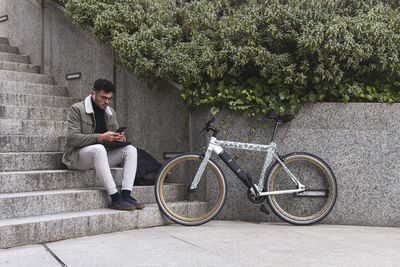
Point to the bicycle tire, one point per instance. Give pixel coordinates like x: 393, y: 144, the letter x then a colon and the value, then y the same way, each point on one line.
x: 310, y: 206
x: 185, y: 206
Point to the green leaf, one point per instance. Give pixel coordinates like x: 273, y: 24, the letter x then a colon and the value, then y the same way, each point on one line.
x: 214, y: 111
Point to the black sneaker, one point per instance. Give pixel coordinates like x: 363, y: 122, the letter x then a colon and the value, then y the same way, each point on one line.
x: 122, y: 204
x: 134, y: 202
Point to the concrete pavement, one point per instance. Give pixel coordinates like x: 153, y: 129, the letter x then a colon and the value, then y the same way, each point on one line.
x: 220, y: 243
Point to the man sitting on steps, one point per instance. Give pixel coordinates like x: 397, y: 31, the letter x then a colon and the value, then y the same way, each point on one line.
x: 91, y: 122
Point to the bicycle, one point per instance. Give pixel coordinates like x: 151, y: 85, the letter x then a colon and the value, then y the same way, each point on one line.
x: 300, y: 187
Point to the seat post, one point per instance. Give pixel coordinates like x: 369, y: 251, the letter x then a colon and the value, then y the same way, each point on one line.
x: 277, y: 123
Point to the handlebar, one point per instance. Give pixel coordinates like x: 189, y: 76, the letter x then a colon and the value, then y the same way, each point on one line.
x: 208, y: 127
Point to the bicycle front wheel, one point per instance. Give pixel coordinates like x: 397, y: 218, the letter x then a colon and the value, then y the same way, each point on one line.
x: 185, y: 206
x: 311, y: 205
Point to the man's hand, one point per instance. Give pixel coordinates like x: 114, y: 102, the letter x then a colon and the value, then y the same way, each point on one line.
x: 111, y: 137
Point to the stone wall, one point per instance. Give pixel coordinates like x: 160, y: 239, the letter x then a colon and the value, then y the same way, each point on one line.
x: 66, y: 48
x: 360, y: 141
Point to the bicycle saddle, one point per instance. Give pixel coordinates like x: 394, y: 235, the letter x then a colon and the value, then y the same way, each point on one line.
x: 281, y: 118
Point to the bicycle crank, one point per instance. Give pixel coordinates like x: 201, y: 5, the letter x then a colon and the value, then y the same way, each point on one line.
x: 258, y: 201
x: 264, y: 209
x: 254, y: 199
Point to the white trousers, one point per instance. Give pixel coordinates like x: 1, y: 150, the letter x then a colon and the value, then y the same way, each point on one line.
x: 97, y: 157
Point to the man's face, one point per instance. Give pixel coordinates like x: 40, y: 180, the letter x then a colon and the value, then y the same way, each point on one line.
x: 102, y: 99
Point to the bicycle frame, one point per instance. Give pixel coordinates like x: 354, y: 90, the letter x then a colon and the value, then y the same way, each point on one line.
x: 216, y: 147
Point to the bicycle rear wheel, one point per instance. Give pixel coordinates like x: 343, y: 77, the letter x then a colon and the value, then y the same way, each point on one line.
x: 315, y: 202
x: 185, y: 206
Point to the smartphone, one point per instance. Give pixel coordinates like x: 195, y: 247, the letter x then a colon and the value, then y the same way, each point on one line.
x: 121, y: 129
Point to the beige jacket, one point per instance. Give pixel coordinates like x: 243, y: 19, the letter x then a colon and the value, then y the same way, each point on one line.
x: 81, y: 126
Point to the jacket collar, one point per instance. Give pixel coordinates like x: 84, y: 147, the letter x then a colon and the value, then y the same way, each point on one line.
x: 89, y: 106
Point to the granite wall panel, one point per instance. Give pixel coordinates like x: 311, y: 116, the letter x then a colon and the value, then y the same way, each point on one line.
x: 360, y: 142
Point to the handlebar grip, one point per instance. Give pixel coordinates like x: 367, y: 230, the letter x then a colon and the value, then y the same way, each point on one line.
x: 210, y: 121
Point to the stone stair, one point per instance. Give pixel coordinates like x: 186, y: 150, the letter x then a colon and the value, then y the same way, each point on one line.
x: 40, y: 200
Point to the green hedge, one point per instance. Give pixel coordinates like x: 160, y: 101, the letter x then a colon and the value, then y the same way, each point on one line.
x: 255, y: 55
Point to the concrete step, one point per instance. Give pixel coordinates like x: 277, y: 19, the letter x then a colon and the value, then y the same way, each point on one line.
x: 49, y: 202
x: 4, y: 40
x: 31, y: 143
x: 32, y: 100
x: 22, y: 67
x: 28, y: 181
x: 32, y: 127
x: 7, y: 75
x: 14, y: 205
x: 32, y: 181
x: 47, y: 228
x: 6, y: 48
x: 30, y: 161
x: 14, y: 58
x: 31, y: 88
x: 33, y: 113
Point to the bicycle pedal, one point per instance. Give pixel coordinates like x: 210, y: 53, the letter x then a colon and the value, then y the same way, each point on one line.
x: 264, y: 209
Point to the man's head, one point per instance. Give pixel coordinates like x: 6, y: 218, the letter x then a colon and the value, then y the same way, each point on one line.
x: 102, y: 93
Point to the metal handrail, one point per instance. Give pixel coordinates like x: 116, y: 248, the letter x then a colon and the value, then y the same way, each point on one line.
x: 60, y: 2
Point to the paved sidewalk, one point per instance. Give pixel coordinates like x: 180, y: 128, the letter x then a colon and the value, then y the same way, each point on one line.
x: 220, y: 243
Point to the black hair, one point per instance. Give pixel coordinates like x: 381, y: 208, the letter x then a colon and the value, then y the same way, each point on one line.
x: 105, y: 85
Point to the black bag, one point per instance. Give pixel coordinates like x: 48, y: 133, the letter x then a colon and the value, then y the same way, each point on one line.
x: 147, y: 168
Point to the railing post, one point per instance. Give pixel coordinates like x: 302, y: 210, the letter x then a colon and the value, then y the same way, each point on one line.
x: 114, y: 77
x: 42, y: 36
